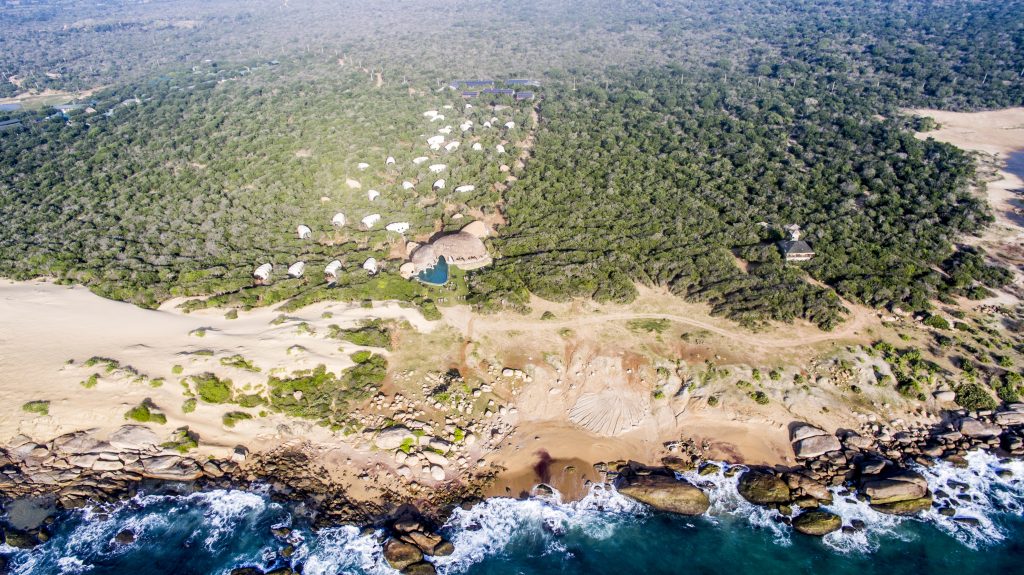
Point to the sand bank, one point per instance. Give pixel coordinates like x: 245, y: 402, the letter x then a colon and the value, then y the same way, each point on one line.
x: 44, y: 326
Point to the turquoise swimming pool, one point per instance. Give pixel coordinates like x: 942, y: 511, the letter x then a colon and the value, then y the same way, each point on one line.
x: 436, y: 275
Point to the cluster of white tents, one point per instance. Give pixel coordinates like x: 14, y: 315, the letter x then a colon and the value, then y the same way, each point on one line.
x: 263, y: 274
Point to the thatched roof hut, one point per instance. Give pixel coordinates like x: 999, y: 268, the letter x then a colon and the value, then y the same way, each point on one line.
x: 462, y: 249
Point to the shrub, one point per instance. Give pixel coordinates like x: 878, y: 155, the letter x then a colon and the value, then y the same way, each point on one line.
x: 760, y: 397
x: 713, y: 401
x: 239, y: 362
x: 251, y: 400
x: 937, y: 321
x: 182, y: 441
x: 974, y: 397
x: 361, y: 356
x: 39, y: 407
x: 649, y: 325
x: 189, y: 406
x: 232, y: 314
x: 547, y: 315
x: 91, y: 381
x: 146, y: 412
x: 373, y: 333
x: 232, y: 417
x: 212, y: 389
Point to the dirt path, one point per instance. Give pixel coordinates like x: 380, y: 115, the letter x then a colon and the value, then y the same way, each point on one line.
x: 471, y: 324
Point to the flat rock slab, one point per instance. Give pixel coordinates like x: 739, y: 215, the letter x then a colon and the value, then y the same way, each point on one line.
x: 816, y: 445
x: 667, y: 494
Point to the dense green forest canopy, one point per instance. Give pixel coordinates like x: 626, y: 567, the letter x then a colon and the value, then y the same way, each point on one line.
x: 182, y: 185
x: 675, y: 140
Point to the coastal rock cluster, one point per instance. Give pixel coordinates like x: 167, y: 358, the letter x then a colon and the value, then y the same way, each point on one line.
x: 80, y: 467
x: 873, y: 465
x: 411, y: 541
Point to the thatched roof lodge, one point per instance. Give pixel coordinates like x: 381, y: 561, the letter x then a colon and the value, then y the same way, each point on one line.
x: 794, y: 249
x: 461, y: 249
x: 261, y: 275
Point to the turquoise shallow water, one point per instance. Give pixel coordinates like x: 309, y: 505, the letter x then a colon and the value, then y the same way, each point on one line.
x: 436, y: 275
x: 211, y: 533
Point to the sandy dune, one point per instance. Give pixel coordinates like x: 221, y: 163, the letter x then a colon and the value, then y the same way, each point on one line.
x: 43, y: 326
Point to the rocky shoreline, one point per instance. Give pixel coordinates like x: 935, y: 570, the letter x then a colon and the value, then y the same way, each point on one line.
x: 80, y: 469
x: 873, y: 464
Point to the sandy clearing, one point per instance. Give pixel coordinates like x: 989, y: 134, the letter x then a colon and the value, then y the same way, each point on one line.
x: 576, y: 315
x: 43, y: 325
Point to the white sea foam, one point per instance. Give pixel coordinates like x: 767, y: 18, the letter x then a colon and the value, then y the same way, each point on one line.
x: 728, y: 504
x: 488, y: 527
x: 982, y: 496
x: 343, y: 550
x: 978, y: 494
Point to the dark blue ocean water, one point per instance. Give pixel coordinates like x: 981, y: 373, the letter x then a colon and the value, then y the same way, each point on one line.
x: 211, y: 533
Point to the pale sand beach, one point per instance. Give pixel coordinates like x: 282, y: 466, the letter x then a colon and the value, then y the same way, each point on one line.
x: 998, y: 133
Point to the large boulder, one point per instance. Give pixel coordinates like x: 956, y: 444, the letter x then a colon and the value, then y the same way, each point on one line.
x: 134, y: 438
x: 1010, y: 417
x: 817, y: 523
x: 971, y: 427
x: 907, y: 507
x: 393, y: 437
x: 421, y: 568
x: 763, y: 488
x: 667, y: 494
x: 77, y: 442
x: 900, y: 485
x: 803, y: 431
x: 815, y: 446
x: 400, y: 554
x: 803, y: 484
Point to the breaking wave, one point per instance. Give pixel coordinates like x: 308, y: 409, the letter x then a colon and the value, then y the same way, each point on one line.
x: 214, y: 532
